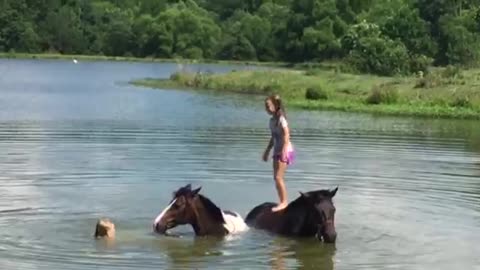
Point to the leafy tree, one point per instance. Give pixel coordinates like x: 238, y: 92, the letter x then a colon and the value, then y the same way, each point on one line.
x: 460, y: 40
x: 313, y: 30
x: 17, y: 32
x: 238, y: 48
x: 407, y: 26
x: 63, y: 31
x: 193, y: 31
x: 369, y: 51
x: 384, y: 37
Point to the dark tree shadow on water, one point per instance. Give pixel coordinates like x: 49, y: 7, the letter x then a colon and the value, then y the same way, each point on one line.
x: 301, y: 254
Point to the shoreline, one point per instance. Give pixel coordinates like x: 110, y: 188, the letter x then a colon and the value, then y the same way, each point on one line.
x: 333, y: 91
x: 58, y: 56
x: 444, y: 93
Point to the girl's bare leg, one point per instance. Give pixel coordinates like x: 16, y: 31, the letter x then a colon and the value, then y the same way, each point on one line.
x: 278, y: 173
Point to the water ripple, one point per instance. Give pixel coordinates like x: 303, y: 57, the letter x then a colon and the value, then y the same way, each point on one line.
x: 408, y: 194
x: 61, y: 178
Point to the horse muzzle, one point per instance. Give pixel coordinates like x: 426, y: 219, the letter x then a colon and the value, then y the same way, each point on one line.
x: 327, y: 233
x: 158, y: 228
x: 162, y: 228
x: 328, y: 238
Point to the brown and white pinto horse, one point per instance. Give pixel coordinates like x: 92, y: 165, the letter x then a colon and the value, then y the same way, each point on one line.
x: 190, y: 207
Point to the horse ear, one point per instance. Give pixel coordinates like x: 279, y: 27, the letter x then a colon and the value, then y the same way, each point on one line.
x: 333, y: 192
x: 307, y: 197
x: 195, y: 192
x: 304, y: 195
x: 189, y: 187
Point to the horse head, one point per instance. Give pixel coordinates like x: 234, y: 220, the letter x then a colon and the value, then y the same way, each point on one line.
x: 179, y: 211
x: 322, y: 213
x: 190, y: 207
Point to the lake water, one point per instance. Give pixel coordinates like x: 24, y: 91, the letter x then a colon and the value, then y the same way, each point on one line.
x: 78, y: 143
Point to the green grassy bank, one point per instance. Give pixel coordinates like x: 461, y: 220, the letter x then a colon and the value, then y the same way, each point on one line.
x: 442, y: 93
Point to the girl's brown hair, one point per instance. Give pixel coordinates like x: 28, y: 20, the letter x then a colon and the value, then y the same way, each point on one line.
x: 279, y: 108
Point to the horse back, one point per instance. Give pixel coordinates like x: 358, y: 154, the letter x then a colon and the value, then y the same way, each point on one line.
x: 253, y: 214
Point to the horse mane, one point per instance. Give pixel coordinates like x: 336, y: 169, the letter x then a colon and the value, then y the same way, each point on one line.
x: 317, y: 196
x: 212, y: 209
x: 320, y: 195
x: 296, y: 204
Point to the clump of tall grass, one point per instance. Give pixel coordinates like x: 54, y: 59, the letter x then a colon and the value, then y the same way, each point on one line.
x: 461, y: 102
x: 382, y: 94
x: 316, y: 93
x: 446, y: 76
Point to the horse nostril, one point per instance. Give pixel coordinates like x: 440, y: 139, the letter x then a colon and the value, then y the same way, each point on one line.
x: 157, y: 228
x: 330, y: 238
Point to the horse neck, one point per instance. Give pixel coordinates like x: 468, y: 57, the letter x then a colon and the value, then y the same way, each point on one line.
x: 309, y: 226
x: 298, y: 219
x: 204, y: 223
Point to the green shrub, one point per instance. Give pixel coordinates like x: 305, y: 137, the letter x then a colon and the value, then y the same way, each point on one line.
x: 313, y: 72
x: 193, y: 53
x: 176, y: 76
x: 316, y: 94
x: 420, y: 63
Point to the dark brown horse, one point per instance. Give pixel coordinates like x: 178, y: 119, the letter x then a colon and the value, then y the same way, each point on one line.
x: 190, y: 207
x: 311, y: 214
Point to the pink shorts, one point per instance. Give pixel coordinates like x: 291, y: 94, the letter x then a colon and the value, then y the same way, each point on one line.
x: 289, y: 158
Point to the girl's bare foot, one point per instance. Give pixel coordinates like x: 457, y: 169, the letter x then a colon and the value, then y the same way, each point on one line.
x: 279, y: 207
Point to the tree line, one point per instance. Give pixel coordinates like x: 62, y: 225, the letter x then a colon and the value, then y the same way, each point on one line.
x: 383, y: 37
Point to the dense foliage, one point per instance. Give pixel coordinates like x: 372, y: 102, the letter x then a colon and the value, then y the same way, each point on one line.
x: 383, y: 37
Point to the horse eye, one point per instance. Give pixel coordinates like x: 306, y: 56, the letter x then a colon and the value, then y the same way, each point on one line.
x: 179, y: 202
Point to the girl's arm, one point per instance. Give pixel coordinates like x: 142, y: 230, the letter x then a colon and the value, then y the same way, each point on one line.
x: 267, y: 150
x: 286, y: 135
x: 270, y: 145
x: 286, y: 138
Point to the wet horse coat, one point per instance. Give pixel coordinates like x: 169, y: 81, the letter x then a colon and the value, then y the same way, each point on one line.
x: 311, y: 214
x: 190, y: 207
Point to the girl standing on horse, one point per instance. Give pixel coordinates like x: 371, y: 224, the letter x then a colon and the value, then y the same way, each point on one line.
x: 283, y: 152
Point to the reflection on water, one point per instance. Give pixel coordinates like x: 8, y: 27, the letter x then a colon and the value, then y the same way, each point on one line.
x: 191, y: 252
x: 77, y: 144
x: 278, y: 253
x: 301, y: 254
